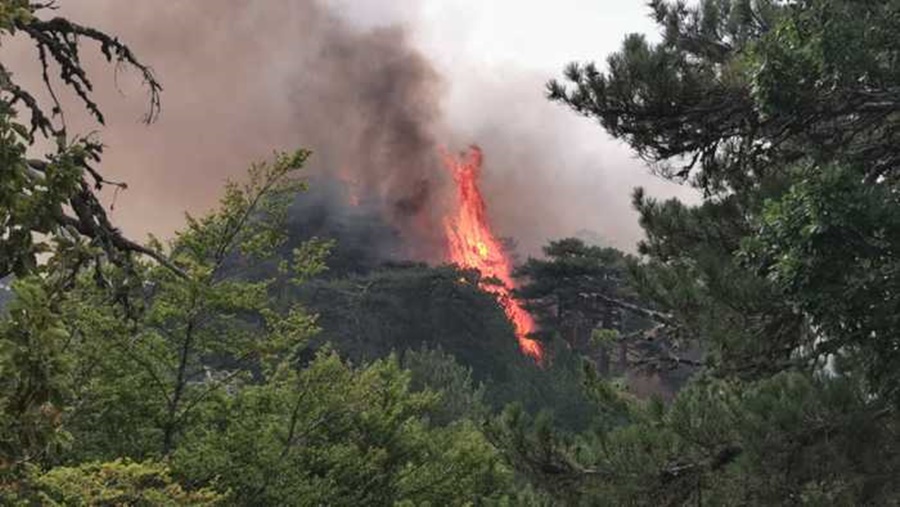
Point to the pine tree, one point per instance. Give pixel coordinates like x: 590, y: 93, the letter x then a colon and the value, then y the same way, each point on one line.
x: 784, y: 116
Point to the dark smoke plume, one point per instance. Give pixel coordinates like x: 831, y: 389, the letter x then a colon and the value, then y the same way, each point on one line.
x: 243, y: 78
x: 370, y: 110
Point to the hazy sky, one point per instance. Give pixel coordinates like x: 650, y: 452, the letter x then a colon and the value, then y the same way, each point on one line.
x: 531, y: 34
x: 549, y: 173
x: 481, y: 45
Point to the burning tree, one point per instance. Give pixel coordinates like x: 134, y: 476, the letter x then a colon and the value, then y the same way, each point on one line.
x: 473, y: 244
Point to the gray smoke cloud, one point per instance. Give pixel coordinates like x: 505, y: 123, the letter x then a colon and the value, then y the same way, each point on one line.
x: 243, y: 78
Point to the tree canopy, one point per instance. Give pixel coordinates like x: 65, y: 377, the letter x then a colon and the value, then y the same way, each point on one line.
x: 784, y: 115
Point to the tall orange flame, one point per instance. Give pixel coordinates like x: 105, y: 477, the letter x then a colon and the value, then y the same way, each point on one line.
x: 473, y: 245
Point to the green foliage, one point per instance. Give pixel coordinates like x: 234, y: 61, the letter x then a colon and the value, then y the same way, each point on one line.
x: 203, y: 377
x: 13, y: 12
x: 182, y: 380
x: 119, y: 482
x: 727, y: 443
x: 784, y: 114
x: 693, y: 272
x: 368, y: 316
x: 460, y: 396
x: 35, y: 377
x: 196, y: 335
x: 332, y: 434
x: 202, y: 371
x: 51, y: 227
x: 829, y: 245
x: 764, y: 100
x: 696, y: 77
x: 604, y: 337
x: 562, y: 289
x: 586, y: 296
x: 30, y: 201
x: 742, y: 90
x: 407, y: 307
x: 49, y: 208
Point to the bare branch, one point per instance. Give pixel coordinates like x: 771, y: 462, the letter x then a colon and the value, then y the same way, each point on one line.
x: 662, y: 318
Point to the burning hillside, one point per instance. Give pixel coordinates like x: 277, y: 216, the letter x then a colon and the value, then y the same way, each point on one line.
x: 472, y: 244
x: 367, y: 101
x: 441, y: 223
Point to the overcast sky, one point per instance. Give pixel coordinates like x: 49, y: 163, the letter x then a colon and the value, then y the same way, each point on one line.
x: 533, y: 34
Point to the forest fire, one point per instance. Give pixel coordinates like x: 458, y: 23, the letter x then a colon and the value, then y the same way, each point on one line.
x: 472, y: 244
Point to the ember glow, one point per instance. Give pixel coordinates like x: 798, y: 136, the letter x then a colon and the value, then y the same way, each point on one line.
x: 473, y: 245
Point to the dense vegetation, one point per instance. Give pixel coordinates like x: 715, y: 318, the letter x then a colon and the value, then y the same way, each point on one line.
x: 257, y: 359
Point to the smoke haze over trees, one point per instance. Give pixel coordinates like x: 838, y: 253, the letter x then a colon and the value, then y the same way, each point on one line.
x: 243, y: 79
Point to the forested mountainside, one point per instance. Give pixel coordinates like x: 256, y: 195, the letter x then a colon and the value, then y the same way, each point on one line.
x: 371, y: 305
